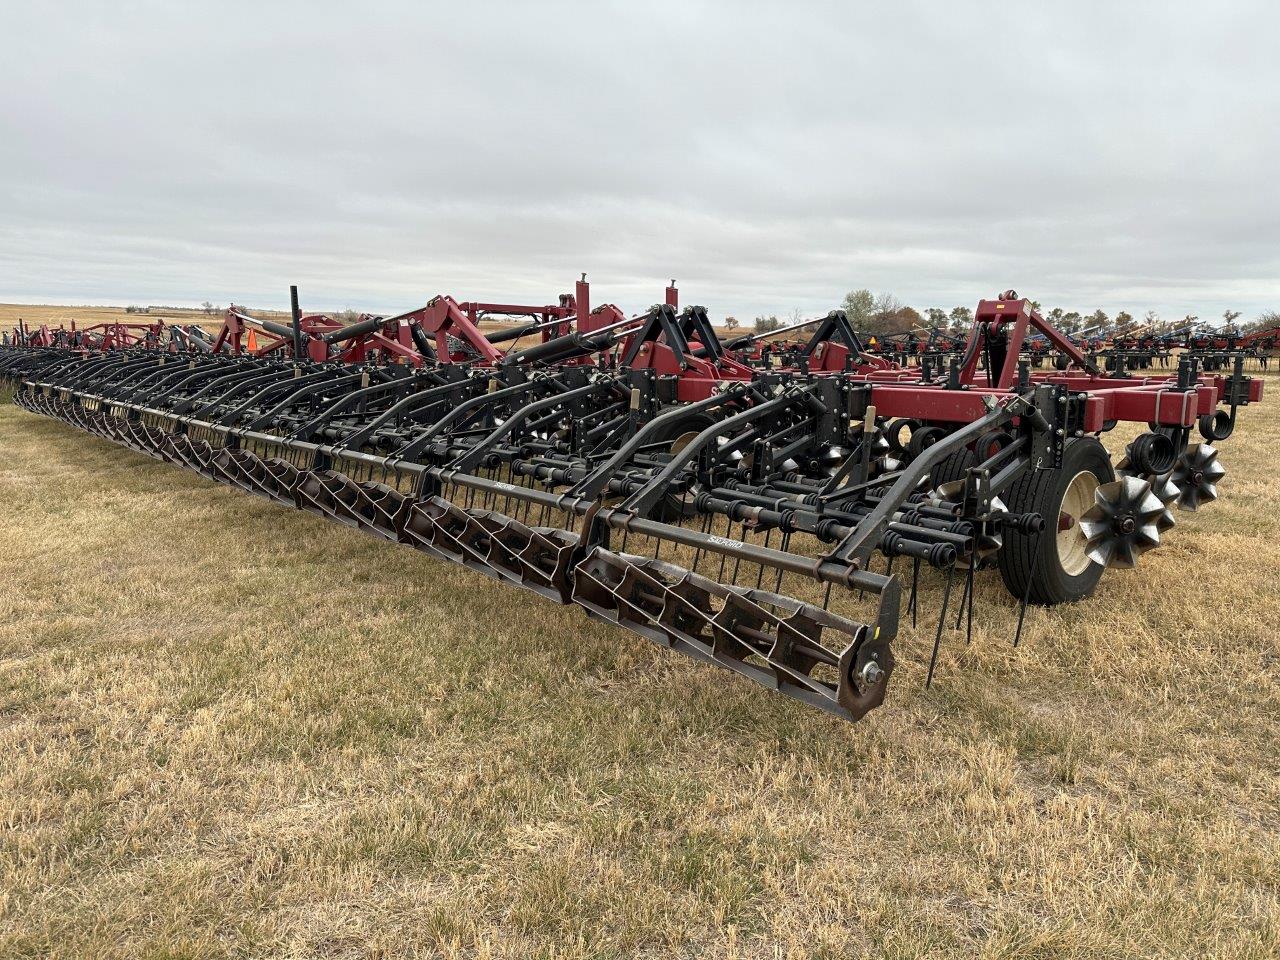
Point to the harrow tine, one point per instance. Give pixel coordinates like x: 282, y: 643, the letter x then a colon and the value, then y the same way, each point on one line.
x: 915, y: 590
x: 937, y: 637
x: 968, y: 601
x: 964, y: 599
x: 697, y: 555
x: 737, y: 561
x: 1026, y: 593
x: 786, y: 546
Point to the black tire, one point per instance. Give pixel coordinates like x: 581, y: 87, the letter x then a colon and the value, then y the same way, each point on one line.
x: 952, y: 467
x: 921, y: 438
x: 893, y: 434
x: 1034, y: 557
x: 673, y: 507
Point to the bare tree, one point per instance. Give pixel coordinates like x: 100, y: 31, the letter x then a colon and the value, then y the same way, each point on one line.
x: 961, y: 318
x: 858, y: 307
x: 1266, y: 320
x: 883, y: 307
x: 887, y: 303
x: 207, y: 307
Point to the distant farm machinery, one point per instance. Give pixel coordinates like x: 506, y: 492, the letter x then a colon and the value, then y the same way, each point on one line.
x: 718, y: 499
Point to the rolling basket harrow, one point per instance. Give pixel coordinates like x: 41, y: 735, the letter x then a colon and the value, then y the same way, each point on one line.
x: 762, y: 512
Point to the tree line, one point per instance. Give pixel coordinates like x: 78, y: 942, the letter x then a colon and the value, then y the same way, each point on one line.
x: 883, y: 314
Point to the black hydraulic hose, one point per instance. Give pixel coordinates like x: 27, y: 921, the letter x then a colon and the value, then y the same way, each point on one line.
x: 422, y: 342
x: 974, y: 346
x: 515, y: 333
x: 359, y: 329
x: 279, y: 329
x: 737, y: 343
x: 204, y: 346
x: 563, y: 348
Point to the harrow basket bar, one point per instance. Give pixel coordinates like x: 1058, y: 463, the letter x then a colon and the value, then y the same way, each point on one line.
x: 790, y: 645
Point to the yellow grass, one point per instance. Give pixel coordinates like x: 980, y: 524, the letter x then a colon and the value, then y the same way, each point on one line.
x: 233, y: 730
x: 34, y: 315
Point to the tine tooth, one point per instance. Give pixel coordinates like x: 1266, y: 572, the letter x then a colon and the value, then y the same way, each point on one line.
x: 915, y: 590
x: 760, y: 575
x: 964, y: 599
x: 1026, y: 592
x: 737, y: 561
x: 786, y: 547
x: 942, y: 616
x: 969, y: 603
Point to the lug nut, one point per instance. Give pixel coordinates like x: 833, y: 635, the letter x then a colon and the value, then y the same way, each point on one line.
x: 871, y: 674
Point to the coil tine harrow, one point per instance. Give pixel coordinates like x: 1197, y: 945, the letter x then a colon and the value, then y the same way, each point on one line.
x: 706, y: 497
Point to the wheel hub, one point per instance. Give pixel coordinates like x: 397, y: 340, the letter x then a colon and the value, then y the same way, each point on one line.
x: 1077, y: 499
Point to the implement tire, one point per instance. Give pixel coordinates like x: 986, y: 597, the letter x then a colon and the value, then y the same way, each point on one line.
x: 1054, y: 564
x: 953, y: 467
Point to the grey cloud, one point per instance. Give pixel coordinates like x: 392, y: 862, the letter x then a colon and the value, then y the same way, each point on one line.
x: 768, y: 156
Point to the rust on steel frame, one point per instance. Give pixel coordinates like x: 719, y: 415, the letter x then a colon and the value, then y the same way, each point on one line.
x: 726, y: 500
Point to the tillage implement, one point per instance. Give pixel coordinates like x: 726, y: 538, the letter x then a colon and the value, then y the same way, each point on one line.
x: 773, y: 512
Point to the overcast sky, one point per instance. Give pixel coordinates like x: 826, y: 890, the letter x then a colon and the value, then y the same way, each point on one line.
x: 767, y: 156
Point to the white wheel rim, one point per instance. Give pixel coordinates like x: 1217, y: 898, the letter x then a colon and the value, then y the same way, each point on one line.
x: 1073, y: 552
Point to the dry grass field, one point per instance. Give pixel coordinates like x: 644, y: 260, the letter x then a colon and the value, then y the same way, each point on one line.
x: 36, y: 314
x: 231, y: 730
